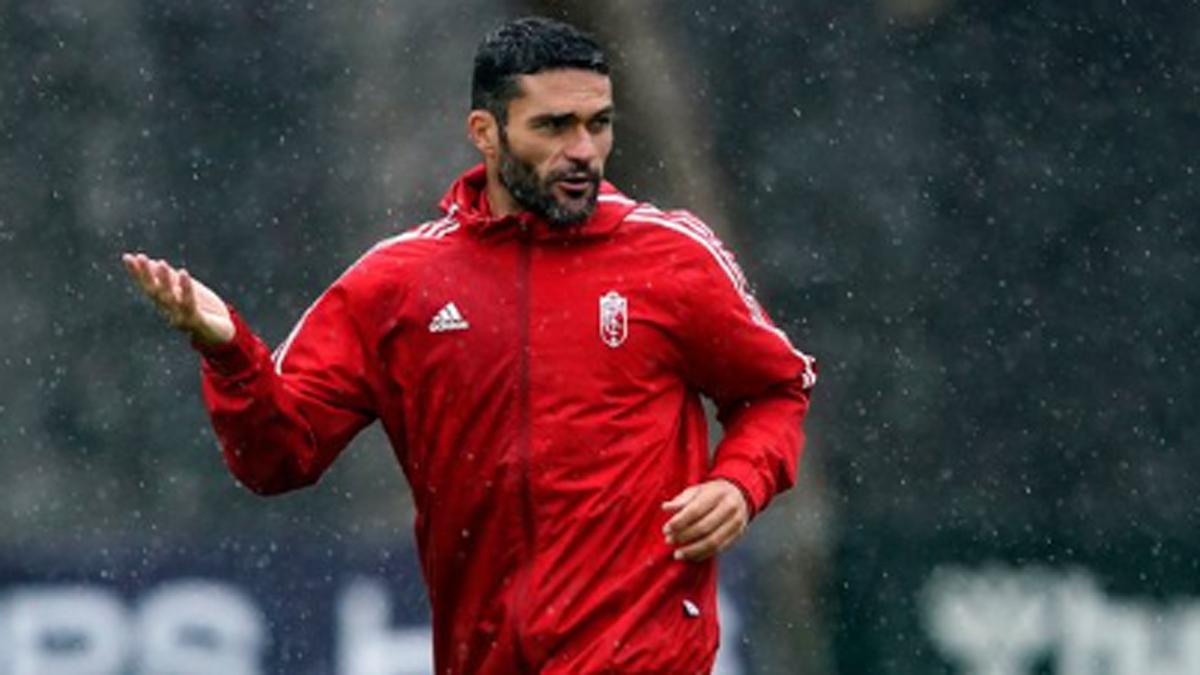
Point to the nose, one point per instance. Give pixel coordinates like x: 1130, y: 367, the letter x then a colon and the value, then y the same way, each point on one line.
x: 581, y: 146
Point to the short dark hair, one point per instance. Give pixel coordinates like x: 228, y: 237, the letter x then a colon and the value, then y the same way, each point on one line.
x: 525, y: 47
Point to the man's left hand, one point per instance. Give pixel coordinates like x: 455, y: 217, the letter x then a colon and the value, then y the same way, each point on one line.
x: 708, y: 518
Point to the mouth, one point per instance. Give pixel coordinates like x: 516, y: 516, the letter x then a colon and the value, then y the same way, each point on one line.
x: 575, y: 187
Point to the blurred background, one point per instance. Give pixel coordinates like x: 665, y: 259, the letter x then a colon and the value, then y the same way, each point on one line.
x: 980, y: 217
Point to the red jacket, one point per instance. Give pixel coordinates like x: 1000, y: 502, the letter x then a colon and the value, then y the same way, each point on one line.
x: 541, y: 388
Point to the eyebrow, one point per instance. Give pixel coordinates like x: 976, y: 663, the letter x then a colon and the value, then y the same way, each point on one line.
x: 553, y: 118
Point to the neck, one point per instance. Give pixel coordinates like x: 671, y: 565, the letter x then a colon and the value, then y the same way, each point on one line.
x: 500, y: 201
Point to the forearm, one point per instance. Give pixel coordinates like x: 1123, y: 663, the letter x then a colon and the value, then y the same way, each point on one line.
x: 762, y: 443
x: 273, y: 439
x: 266, y: 449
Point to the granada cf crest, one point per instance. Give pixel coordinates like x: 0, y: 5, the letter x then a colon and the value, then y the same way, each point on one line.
x: 614, y: 319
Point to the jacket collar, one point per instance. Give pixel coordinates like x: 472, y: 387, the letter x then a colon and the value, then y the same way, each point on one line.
x: 467, y: 201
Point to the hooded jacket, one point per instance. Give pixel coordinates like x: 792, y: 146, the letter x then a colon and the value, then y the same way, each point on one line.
x: 541, y: 387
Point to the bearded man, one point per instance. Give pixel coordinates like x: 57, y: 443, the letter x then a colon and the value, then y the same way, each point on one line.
x: 537, y: 357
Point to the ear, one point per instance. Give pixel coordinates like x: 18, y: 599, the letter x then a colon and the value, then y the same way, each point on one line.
x: 484, y: 131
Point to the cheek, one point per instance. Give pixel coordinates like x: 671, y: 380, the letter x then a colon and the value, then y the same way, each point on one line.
x: 604, y: 145
x: 549, y: 163
x: 527, y: 145
x: 533, y: 153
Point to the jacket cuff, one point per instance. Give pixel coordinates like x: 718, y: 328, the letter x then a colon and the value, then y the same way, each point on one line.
x: 234, y: 357
x: 742, y: 473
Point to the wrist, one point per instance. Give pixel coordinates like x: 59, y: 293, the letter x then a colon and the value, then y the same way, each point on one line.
x: 213, y: 336
x: 747, y: 500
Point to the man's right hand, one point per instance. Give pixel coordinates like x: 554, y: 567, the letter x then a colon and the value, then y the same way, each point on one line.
x: 184, y: 302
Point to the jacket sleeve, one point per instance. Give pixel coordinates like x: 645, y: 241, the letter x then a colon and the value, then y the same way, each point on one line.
x: 735, y: 355
x: 282, y: 420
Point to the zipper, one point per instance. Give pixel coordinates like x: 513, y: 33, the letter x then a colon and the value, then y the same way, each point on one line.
x: 524, y: 450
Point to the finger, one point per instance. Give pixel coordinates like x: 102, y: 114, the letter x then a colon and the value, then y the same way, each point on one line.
x: 153, y: 277
x: 141, y: 263
x: 130, y: 263
x: 694, y: 511
x: 680, y: 500
x: 164, y: 294
x: 141, y: 273
x: 146, y: 277
x: 148, y: 273
x: 150, y: 280
x: 162, y: 274
x: 187, y: 293
x: 162, y: 278
x: 702, y: 527
x: 717, y: 541
x: 175, y: 281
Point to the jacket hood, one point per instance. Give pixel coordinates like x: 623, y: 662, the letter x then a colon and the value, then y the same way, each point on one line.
x: 467, y: 201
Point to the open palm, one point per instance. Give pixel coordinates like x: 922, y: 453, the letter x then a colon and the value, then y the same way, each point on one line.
x: 183, y: 301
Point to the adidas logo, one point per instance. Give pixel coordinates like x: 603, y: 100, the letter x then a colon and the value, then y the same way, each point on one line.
x: 448, y: 318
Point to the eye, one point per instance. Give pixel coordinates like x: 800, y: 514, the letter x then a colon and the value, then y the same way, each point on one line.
x: 553, y: 125
x: 598, y: 124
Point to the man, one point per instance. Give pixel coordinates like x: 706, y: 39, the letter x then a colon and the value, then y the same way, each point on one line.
x: 536, y: 357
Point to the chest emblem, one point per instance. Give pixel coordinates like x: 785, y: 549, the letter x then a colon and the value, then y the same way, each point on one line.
x: 448, y: 318
x: 614, y: 319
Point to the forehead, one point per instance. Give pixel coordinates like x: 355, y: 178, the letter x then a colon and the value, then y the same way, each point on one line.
x: 562, y: 90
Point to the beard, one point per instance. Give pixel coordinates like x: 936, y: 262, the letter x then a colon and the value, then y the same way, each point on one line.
x: 536, y: 194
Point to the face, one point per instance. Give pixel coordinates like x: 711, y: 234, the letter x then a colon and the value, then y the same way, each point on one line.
x: 552, y: 152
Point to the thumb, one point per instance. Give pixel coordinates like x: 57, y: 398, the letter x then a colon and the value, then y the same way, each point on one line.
x: 680, y: 500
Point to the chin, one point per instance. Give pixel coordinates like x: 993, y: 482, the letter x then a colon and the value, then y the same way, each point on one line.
x: 565, y: 216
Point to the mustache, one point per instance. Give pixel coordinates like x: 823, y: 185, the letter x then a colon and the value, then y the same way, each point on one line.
x: 578, y: 172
